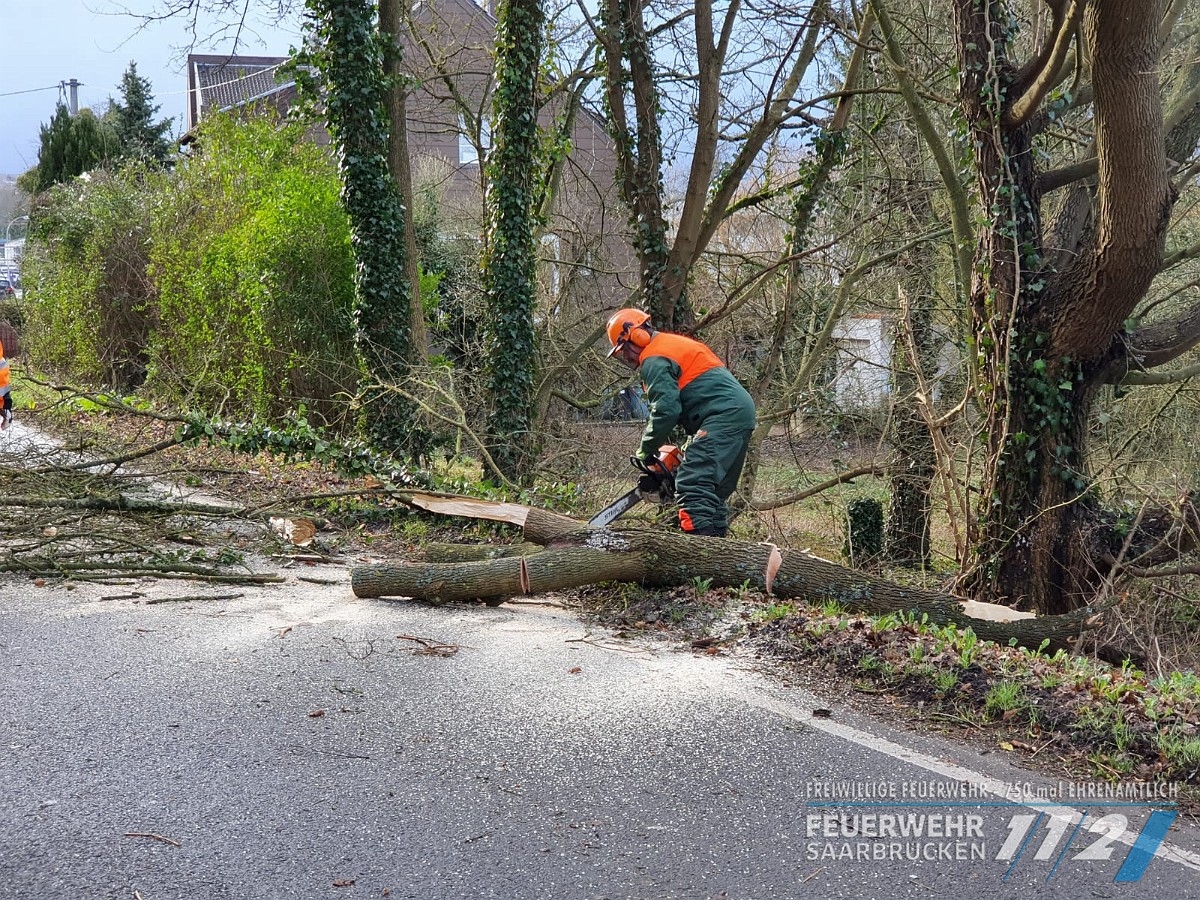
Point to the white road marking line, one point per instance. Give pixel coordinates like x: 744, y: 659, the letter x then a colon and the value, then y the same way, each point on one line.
x: 994, y: 786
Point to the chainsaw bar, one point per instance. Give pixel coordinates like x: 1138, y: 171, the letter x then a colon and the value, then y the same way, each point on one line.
x: 664, y: 468
x: 614, y: 511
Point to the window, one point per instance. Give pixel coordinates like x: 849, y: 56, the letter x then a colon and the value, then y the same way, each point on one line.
x: 467, y: 151
x: 551, y: 248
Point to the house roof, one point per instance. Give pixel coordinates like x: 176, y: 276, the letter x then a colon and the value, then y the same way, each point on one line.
x: 223, y: 82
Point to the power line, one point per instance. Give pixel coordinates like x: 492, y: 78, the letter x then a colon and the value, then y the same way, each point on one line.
x: 61, y: 86
x: 53, y: 87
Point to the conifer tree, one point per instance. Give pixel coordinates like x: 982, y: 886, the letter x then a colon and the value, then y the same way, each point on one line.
x: 132, y: 119
x: 70, y: 146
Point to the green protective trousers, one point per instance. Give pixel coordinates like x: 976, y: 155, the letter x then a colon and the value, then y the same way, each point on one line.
x: 712, y: 464
x: 719, y: 414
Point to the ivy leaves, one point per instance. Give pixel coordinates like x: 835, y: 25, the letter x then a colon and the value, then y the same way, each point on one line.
x: 512, y: 219
x: 348, y: 51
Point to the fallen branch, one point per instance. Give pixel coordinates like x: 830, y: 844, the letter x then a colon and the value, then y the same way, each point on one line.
x: 188, y: 598
x: 120, y: 503
x: 80, y: 518
x: 111, y: 461
x: 152, y: 836
x: 101, y: 571
x: 430, y: 647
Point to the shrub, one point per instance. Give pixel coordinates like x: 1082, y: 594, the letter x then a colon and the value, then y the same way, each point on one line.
x: 864, y: 530
x: 90, y: 302
x: 251, y: 254
x: 225, y: 284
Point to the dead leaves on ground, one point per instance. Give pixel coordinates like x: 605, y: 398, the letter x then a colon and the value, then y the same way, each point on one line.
x: 296, y: 531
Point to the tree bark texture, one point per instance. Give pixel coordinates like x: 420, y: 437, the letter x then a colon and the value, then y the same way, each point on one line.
x: 391, y: 25
x: 906, y: 534
x: 1042, y: 335
x: 914, y: 363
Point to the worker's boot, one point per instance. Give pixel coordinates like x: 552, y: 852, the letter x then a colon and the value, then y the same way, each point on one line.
x: 710, y: 531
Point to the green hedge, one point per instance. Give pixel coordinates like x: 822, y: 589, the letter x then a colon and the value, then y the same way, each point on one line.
x: 225, y: 283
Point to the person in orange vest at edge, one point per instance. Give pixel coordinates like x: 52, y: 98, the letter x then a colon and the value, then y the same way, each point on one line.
x: 5, y: 392
x: 686, y: 383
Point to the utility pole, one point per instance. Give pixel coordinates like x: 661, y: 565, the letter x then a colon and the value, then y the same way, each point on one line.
x: 72, y: 90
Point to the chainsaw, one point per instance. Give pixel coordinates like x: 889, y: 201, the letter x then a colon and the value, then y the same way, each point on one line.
x: 664, y: 468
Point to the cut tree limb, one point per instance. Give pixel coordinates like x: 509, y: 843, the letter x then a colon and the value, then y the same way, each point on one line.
x: 119, y: 503
x: 576, y: 555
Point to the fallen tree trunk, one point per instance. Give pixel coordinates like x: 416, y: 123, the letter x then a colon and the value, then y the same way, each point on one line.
x: 803, y: 576
x: 574, y: 555
x: 578, y: 558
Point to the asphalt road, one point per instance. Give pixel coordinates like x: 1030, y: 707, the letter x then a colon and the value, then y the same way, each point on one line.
x: 289, y: 744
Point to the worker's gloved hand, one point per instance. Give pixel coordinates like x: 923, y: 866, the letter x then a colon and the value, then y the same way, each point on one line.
x: 650, y: 483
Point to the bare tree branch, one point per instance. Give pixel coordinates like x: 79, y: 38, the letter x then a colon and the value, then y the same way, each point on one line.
x: 773, y: 114
x: 841, y: 478
x: 960, y: 216
x: 1036, y: 80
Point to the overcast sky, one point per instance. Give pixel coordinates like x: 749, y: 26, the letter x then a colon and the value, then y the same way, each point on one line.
x: 45, y: 42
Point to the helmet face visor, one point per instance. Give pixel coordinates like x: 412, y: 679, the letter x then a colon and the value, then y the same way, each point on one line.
x: 616, y: 348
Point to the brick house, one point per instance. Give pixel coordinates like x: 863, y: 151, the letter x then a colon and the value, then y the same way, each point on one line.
x: 587, y: 265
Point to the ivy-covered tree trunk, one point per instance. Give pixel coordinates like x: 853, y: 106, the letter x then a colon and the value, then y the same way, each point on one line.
x: 349, y: 56
x: 629, y: 78
x: 509, y: 267
x: 1045, y: 336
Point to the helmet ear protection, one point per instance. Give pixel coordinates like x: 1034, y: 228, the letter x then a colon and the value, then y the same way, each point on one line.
x: 637, y: 335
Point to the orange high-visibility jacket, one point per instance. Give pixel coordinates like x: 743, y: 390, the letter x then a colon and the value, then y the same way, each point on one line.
x: 693, y: 357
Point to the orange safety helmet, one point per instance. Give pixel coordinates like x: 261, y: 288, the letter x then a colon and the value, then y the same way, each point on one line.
x: 622, y: 329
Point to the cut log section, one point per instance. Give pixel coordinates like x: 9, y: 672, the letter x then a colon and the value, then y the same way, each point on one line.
x: 574, y: 555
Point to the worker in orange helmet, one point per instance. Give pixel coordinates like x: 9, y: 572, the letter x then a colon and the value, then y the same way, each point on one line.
x: 5, y: 392
x: 686, y: 384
